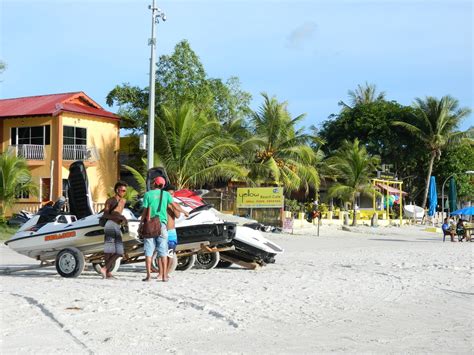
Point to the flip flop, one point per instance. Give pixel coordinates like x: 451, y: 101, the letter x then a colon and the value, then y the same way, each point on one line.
x: 146, y: 279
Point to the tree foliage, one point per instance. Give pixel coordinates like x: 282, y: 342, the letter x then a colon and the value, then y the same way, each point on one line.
x: 282, y: 155
x: 372, y: 124
x: 457, y: 159
x: 435, y: 124
x: 363, y: 94
x: 181, y: 79
x: 353, y: 168
x: 15, y: 179
x: 193, y: 148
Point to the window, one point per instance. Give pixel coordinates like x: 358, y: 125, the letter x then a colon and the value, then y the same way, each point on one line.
x: 74, y: 136
x: 23, y: 195
x: 38, y: 135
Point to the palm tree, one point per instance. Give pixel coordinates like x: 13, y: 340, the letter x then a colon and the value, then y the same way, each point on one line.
x: 435, y: 122
x: 15, y: 179
x: 364, y: 94
x: 193, y: 148
x: 352, y: 167
x: 280, y: 153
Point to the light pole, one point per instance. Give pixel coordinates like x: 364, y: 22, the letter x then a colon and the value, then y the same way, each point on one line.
x: 156, y: 14
x: 469, y: 172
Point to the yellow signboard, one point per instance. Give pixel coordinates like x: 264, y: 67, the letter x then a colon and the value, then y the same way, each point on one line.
x: 260, y: 197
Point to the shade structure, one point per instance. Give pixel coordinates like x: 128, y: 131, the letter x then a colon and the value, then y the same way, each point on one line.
x: 433, y: 197
x: 453, y: 195
x: 467, y: 211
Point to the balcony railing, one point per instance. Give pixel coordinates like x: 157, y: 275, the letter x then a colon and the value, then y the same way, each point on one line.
x: 28, y: 151
x: 79, y: 152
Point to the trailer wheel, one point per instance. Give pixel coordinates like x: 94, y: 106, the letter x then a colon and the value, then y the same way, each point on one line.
x: 70, y: 262
x: 186, y: 262
x: 98, y: 266
x: 224, y: 264
x: 207, y: 261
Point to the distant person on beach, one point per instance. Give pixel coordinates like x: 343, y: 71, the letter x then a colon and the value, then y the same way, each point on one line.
x: 447, y: 229
x: 461, y: 231
x: 155, y: 203
x: 174, y: 211
x: 113, y: 245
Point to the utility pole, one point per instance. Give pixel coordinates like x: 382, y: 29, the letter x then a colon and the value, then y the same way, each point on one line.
x: 156, y: 14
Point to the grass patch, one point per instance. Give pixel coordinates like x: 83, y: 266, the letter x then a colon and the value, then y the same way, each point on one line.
x: 6, y: 231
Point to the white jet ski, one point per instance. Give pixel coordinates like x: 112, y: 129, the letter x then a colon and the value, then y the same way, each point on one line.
x: 71, y: 239
x: 250, y: 245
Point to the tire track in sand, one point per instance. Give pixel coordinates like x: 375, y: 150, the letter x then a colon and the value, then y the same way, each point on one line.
x: 48, y: 314
x: 191, y: 304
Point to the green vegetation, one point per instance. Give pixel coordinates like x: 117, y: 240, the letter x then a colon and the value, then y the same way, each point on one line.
x: 353, y: 168
x: 15, y: 179
x: 434, y: 123
x: 206, y: 133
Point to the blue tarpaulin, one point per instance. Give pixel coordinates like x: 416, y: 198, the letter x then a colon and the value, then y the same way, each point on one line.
x: 433, y: 197
x: 468, y: 211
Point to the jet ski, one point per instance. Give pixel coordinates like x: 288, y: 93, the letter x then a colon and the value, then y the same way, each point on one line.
x: 69, y: 239
x: 250, y: 246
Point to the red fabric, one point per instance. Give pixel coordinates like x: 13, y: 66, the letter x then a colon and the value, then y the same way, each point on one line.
x: 391, y: 190
x: 189, y: 198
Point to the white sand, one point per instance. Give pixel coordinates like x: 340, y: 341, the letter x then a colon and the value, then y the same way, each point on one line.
x: 381, y: 290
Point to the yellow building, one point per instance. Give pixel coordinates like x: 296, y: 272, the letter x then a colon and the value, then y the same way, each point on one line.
x: 52, y: 131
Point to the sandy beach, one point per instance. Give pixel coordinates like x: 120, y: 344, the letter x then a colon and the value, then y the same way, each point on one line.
x: 384, y: 290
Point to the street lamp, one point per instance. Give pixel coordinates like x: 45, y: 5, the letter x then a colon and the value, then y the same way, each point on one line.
x: 156, y: 14
x: 469, y: 172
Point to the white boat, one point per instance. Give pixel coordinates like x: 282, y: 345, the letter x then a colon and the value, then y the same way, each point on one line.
x: 413, y: 211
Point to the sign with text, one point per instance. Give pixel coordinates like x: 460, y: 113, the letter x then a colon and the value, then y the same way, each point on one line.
x: 260, y: 197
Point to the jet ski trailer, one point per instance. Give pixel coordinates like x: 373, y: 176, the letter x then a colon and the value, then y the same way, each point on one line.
x: 68, y: 240
x: 251, y: 249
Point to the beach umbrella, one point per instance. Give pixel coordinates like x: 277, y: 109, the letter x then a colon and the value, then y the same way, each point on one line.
x: 467, y: 211
x: 433, y: 196
x: 452, y: 195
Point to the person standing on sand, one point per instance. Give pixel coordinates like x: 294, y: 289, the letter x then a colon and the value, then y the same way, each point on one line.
x: 155, y: 203
x: 174, y: 210
x: 113, y: 246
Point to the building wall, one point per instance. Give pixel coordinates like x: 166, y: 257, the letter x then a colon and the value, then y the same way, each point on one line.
x: 40, y: 168
x: 103, y: 134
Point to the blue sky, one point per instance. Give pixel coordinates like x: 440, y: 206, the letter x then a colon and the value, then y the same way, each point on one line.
x: 309, y: 53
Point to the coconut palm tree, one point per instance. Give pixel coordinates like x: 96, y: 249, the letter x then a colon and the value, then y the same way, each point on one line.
x: 352, y: 167
x: 364, y: 94
x: 281, y: 154
x: 15, y: 179
x: 193, y: 149
x: 435, y: 123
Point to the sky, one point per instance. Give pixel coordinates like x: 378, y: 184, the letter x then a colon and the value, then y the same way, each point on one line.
x: 308, y: 53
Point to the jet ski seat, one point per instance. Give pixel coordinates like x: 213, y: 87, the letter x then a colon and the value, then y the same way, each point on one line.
x: 80, y: 203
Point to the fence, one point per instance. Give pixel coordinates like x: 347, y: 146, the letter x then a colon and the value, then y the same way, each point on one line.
x: 28, y: 151
x: 79, y: 152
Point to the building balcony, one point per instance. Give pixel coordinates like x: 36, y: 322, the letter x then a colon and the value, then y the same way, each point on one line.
x: 80, y: 152
x: 28, y: 151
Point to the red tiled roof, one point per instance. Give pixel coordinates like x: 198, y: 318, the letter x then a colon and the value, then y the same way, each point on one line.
x: 52, y: 105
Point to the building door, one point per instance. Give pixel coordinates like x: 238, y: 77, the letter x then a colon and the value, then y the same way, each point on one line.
x: 45, y: 189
